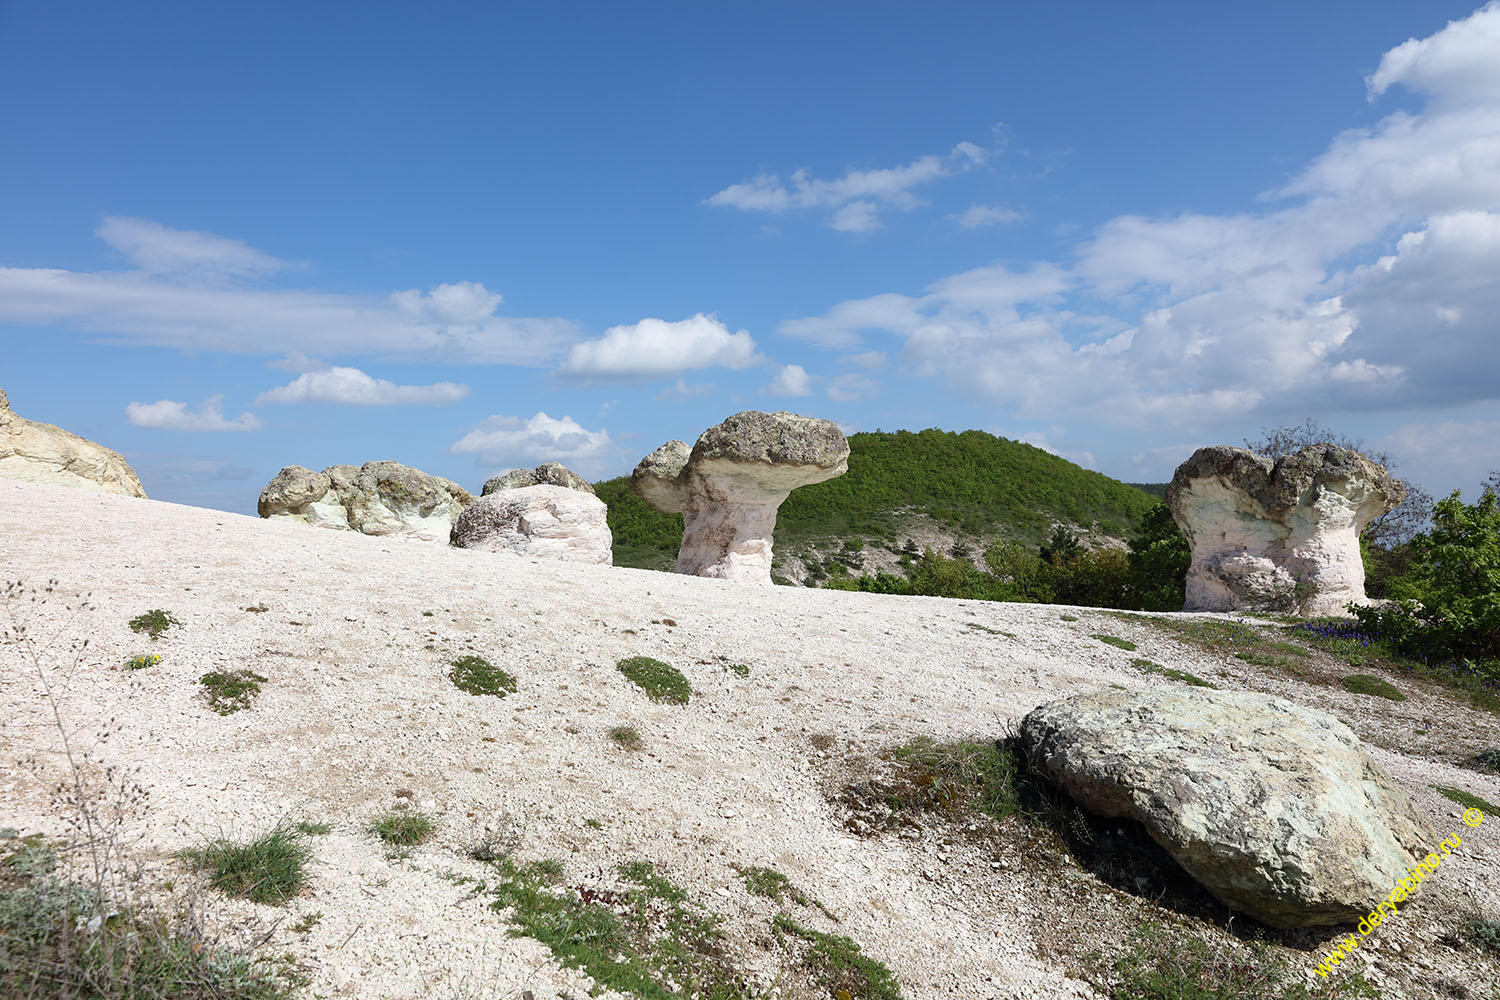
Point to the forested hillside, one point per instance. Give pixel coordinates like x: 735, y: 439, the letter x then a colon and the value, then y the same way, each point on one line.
x: 972, y: 485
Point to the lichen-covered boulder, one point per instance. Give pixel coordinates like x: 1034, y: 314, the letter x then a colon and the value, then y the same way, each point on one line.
x: 729, y: 486
x: 45, y: 453
x: 553, y: 522
x: 1273, y: 808
x: 377, y: 498
x: 546, y: 474
x: 1280, y: 536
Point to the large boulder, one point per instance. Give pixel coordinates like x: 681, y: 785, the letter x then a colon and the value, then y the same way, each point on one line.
x: 1273, y: 808
x: 1280, y: 536
x: 377, y: 498
x: 44, y: 453
x: 546, y: 474
x: 729, y: 485
x: 553, y: 522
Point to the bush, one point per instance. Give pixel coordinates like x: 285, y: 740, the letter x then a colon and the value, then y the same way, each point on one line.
x: 269, y: 869
x: 230, y: 691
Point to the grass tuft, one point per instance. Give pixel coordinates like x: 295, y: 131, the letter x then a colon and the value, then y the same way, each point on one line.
x: 625, y: 737
x: 1175, y: 674
x: 476, y: 675
x: 1484, y: 933
x: 402, y: 827
x: 270, y: 869
x: 1124, y: 644
x: 1369, y: 684
x: 1466, y: 799
x: 231, y: 691
x: 661, y: 682
x: 154, y: 623
x: 837, y: 965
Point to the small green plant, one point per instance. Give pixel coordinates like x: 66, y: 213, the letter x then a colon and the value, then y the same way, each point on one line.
x: 1068, y: 618
x: 1484, y: 933
x: 836, y: 964
x: 1372, y: 685
x: 1110, y: 640
x: 142, y: 662
x: 272, y: 868
x: 476, y: 675
x: 1487, y: 760
x: 661, y: 682
x: 153, y: 623
x: 963, y: 776
x: 402, y: 827
x: 593, y: 824
x: 768, y: 882
x: 1466, y: 799
x: 1176, y: 675
x: 625, y: 737
x: 232, y: 690
x: 427, y: 614
x: 740, y: 670
x: 312, y: 829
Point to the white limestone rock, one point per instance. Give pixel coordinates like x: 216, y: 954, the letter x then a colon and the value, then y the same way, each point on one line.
x: 45, y: 453
x: 1272, y: 807
x: 729, y: 486
x: 553, y: 522
x: 1280, y: 536
x: 377, y: 498
x: 546, y: 474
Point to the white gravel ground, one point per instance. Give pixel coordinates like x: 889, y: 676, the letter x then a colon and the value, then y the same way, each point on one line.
x: 358, y: 707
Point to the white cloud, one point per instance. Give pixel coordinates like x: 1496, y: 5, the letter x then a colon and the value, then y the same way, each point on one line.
x: 870, y: 360
x: 1453, y: 453
x: 856, y: 196
x: 657, y: 347
x: 352, y: 386
x: 181, y: 253
x: 791, y: 380
x: 179, y: 295
x: 169, y: 415
x: 507, y: 442
x: 851, y: 387
x: 978, y: 216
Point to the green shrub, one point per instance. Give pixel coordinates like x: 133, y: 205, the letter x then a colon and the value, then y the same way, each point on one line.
x: 661, y: 682
x: 402, y: 827
x: 1484, y: 933
x: 476, y: 675
x: 272, y: 868
x: 231, y: 691
x: 153, y: 623
x: 1487, y: 760
x: 1159, y: 560
x: 1372, y: 685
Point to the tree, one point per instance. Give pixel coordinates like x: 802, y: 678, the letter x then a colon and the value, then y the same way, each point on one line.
x: 1062, y: 547
x: 1159, y: 560
x: 1396, y: 526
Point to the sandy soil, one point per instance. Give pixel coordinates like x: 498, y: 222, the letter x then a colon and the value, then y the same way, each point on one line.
x: 358, y: 707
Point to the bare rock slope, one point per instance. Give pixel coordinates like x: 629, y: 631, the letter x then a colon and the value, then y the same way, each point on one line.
x: 45, y: 453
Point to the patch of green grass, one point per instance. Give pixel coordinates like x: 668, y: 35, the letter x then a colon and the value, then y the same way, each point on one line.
x: 1110, y: 640
x: 1068, y: 618
x: 962, y: 776
x: 1487, y: 760
x: 308, y: 922
x: 153, y: 623
x: 402, y: 827
x: 142, y: 662
x: 1291, y: 648
x: 740, y: 670
x: 1175, y: 674
x: 593, y: 824
x: 1342, y: 638
x: 768, y: 882
x: 1165, y: 963
x: 231, y: 690
x: 836, y: 964
x: 1484, y: 933
x: 1372, y: 685
x: 1466, y: 799
x: 625, y: 737
x: 992, y: 631
x: 661, y: 682
x: 476, y: 675
x: 1213, y: 634
x: 646, y: 939
x: 314, y: 829
x: 271, y: 869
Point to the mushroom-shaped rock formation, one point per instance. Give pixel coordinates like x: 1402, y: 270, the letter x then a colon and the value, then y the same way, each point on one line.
x: 553, y: 522
x: 546, y: 474
x: 1272, y: 807
x: 44, y: 453
x: 729, y: 486
x: 1278, y: 537
x: 377, y: 498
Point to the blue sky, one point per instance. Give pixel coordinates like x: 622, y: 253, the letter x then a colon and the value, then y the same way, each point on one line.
x: 474, y: 236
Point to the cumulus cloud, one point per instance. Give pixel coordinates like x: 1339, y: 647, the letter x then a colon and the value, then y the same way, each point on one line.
x: 507, y: 442
x: 1388, y: 239
x: 169, y: 415
x: 185, y: 290
x: 857, y: 196
x: 791, y: 380
x: 979, y: 216
x: 658, y: 347
x: 354, y: 387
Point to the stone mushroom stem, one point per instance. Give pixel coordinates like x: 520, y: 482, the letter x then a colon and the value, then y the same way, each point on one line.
x: 727, y: 527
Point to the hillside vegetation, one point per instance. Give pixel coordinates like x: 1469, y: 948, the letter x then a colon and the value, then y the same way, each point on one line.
x: 972, y: 484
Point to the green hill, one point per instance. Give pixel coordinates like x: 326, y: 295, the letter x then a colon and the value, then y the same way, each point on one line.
x: 972, y: 484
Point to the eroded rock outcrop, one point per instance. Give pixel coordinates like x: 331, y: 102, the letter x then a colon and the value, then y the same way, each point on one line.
x: 546, y: 474
x: 553, y: 522
x: 45, y: 453
x: 1273, y: 808
x: 1280, y: 536
x: 377, y: 498
x: 730, y: 484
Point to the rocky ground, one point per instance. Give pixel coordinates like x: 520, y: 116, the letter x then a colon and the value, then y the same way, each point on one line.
x: 355, y: 635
